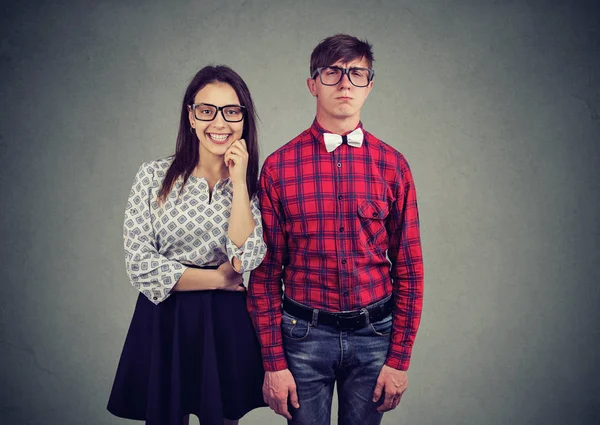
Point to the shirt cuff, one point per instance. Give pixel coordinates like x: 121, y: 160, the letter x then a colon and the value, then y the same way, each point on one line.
x: 234, y: 251
x: 274, y: 358
x: 159, y: 289
x: 399, y: 359
x: 250, y: 254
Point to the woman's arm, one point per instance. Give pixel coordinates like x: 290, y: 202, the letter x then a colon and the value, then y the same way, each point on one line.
x: 224, y: 278
x: 243, y: 241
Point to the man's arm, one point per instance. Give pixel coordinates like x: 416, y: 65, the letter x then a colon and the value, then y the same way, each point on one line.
x: 264, y: 301
x: 407, y: 286
x: 406, y: 271
x: 264, y: 288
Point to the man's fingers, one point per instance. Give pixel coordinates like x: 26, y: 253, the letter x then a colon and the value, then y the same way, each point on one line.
x: 378, y: 390
x: 277, y: 404
x: 387, y: 402
x: 391, y: 401
x: 278, y: 388
x: 294, y: 397
x: 282, y: 409
x: 397, y: 401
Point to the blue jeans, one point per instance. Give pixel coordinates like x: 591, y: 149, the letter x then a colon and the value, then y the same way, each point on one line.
x: 319, y: 356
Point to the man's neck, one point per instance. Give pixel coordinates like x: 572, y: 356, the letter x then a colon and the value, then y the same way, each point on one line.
x: 337, y: 125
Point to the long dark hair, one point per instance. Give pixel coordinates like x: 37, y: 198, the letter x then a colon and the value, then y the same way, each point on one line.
x: 187, y: 150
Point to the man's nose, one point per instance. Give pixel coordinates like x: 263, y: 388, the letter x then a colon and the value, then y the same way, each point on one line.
x: 345, y: 81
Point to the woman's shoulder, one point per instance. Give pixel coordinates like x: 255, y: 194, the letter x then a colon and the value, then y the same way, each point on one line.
x: 156, y: 168
x: 158, y: 165
x: 151, y: 173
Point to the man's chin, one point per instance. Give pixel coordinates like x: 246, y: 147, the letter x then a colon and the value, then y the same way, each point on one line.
x: 342, y: 115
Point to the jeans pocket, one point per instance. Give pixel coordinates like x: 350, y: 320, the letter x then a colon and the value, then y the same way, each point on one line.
x: 382, y: 327
x: 294, y: 328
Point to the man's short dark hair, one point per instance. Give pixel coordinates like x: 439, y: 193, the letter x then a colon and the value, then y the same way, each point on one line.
x: 342, y: 47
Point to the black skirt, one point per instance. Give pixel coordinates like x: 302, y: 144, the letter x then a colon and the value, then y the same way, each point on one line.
x: 196, y: 352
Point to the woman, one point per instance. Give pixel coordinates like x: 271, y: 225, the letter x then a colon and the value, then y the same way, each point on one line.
x: 192, y: 227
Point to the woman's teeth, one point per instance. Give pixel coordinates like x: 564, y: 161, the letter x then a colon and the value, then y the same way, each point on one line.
x: 219, y: 137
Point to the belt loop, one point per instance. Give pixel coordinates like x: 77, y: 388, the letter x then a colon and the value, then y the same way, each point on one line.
x: 315, y: 317
x: 366, y: 314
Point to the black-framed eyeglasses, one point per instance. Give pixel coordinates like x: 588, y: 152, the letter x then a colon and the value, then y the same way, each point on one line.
x: 331, y: 75
x: 208, y: 112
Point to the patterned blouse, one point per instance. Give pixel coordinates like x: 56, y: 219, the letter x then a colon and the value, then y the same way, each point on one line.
x: 189, y: 229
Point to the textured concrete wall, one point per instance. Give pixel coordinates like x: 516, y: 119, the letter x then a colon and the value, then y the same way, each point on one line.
x: 496, y: 105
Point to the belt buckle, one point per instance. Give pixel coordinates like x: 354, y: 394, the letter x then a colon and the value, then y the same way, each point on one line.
x: 349, y: 323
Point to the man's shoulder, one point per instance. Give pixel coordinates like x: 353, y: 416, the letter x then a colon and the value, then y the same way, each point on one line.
x: 388, y: 151
x: 288, y: 149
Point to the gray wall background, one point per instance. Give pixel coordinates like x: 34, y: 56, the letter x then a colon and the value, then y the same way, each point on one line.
x: 496, y: 105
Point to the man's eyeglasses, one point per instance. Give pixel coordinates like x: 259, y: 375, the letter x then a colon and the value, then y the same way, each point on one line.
x: 208, y: 112
x: 331, y: 75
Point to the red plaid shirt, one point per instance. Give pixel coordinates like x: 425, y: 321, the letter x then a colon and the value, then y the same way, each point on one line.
x: 328, y: 220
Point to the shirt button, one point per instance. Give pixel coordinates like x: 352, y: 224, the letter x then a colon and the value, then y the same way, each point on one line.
x: 339, y: 164
x: 343, y: 261
x: 341, y: 229
x: 340, y: 197
x: 374, y: 214
x: 154, y: 298
x: 345, y: 293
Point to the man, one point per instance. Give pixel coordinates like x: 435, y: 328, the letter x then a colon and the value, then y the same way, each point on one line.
x: 337, y: 202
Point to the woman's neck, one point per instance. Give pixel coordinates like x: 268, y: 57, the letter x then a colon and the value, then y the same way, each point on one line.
x: 211, y: 168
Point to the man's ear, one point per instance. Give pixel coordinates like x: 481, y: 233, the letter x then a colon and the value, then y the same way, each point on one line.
x: 312, y: 86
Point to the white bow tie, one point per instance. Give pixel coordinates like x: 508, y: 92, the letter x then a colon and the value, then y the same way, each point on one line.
x: 332, y: 141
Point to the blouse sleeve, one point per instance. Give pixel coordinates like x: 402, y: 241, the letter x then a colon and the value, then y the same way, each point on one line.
x: 252, y: 252
x: 151, y: 273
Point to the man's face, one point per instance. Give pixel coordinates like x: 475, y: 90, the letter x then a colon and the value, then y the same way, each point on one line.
x: 343, y: 100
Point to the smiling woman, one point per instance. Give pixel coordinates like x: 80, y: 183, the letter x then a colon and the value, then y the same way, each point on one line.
x: 192, y: 227
x: 215, y: 131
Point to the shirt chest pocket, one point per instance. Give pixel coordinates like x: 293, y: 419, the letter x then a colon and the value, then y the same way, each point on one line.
x: 372, y: 215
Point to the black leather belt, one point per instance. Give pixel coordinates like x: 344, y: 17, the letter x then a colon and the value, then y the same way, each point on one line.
x: 352, y: 320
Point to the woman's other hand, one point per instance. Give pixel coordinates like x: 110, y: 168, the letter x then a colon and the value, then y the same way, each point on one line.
x: 229, y: 279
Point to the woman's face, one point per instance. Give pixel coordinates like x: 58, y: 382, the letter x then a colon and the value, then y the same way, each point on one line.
x: 217, y: 135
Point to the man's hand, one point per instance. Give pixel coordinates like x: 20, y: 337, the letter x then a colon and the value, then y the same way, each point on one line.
x: 277, y: 386
x: 392, y: 383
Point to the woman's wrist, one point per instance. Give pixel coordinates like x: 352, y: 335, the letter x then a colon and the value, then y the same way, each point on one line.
x: 240, y: 185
